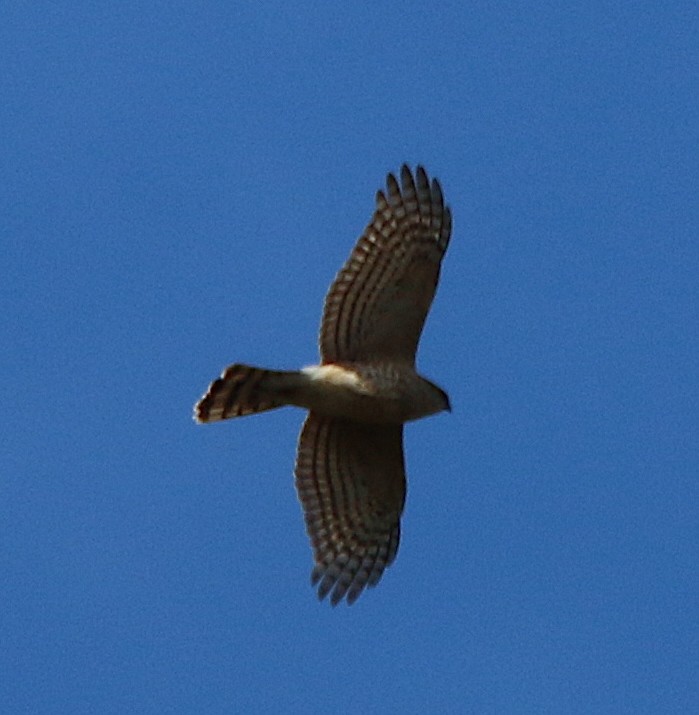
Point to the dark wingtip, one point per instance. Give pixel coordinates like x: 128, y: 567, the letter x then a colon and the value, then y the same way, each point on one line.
x: 437, y: 195
x: 406, y: 176
x: 316, y: 574
x: 328, y: 584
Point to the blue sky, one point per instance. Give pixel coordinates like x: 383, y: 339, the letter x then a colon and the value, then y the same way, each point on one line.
x: 180, y: 183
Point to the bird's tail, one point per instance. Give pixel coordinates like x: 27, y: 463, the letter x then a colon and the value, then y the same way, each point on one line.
x: 243, y: 390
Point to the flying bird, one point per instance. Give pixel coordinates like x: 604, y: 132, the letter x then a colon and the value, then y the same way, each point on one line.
x: 350, y: 470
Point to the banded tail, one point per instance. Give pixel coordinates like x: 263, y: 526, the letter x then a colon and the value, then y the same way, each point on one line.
x: 243, y: 390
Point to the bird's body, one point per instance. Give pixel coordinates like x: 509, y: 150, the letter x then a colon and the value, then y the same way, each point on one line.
x: 350, y: 473
x: 382, y: 393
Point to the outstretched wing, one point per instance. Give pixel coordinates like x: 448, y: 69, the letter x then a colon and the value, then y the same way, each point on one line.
x: 377, y: 305
x: 350, y: 479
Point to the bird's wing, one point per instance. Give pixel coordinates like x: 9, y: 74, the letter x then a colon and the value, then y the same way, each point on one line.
x: 376, y: 307
x: 350, y: 479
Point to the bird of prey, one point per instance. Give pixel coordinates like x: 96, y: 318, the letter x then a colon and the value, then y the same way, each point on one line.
x: 350, y: 473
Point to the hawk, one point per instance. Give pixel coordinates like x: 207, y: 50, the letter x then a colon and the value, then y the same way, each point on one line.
x: 350, y: 472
